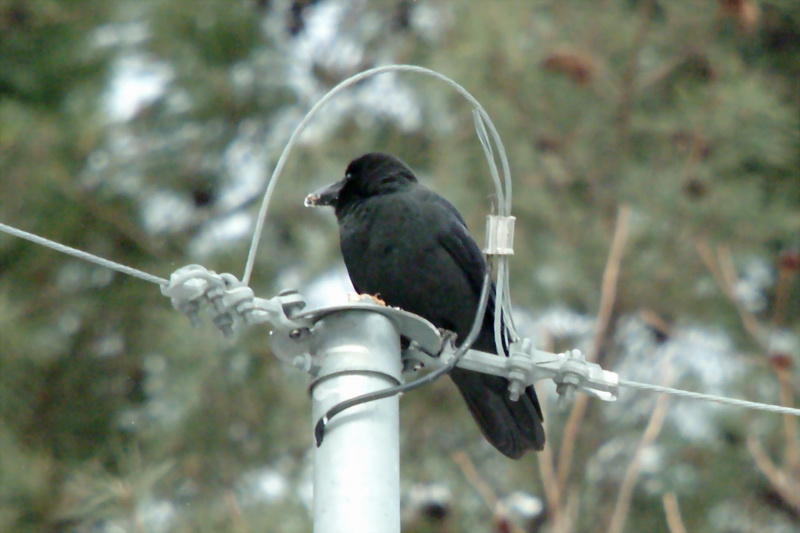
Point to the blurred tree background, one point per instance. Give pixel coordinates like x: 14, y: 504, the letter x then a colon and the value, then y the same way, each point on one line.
x: 655, y: 150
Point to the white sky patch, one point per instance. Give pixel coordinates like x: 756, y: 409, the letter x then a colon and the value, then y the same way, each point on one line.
x: 270, y: 485
x: 157, y: 515
x: 264, y: 485
x: 524, y: 504
x: 327, y: 42
x: 221, y: 233
x: 754, y: 281
x: 331, y: 288
x: 558, y: 322
x: 136, y: 82
x: 427, y: 19
x: 164, y: 211
x: 323, y: 43
x: 246, y: 165
x: 128, y: 34
x: 384, y: 95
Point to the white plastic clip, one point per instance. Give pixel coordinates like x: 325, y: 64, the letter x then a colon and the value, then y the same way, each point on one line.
x: 499, y: 235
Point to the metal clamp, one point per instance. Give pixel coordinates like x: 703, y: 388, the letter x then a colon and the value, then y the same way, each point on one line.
x: 229, y: 300
x: 525, y: 365
x: 569, y: 370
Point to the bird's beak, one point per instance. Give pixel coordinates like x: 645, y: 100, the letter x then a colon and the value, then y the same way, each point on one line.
x: 326, y: 196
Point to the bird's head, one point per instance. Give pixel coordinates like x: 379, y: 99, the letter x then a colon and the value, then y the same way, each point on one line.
x: 370, y: 175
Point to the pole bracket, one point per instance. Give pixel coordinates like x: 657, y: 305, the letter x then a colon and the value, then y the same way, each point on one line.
x: 231, y: 302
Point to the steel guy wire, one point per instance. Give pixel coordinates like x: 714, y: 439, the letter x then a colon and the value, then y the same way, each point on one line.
x: 80, y: 254
x: 86, y: 256
x: 710, y: 397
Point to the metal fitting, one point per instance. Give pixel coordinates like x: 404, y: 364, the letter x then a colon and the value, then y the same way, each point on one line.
x: 499, y: 235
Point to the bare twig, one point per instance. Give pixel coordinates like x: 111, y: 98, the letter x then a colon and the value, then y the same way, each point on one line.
x: 547, y: 461
x: 476, y: 480
x: 570, y: 437
x: 784, y: 485
x: 720, y: 264
x: 782, y: 295
x: 791, y: 455
x: 673, y: 512
x: 652, y: 430
x: 239, y: 523
x: 656, y: 321
x: 608, y: 296
x: 709, y: 259
x: 487, y: 493
x: 569, y: 513
x: 749, y: 320
x: 547, y: 471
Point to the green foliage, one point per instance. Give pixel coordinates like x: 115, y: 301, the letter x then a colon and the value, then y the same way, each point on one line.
x: 113, y: 412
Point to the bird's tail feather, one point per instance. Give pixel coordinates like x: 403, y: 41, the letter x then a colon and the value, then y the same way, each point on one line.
x: 511, y: 427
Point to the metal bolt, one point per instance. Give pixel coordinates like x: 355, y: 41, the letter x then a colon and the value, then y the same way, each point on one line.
x: 411, y: 365
x: 566, y: 389
x: 224, y: 323
x: 293, y: 305
x: 298, y: 334
x: 516, y: 385
x: 245, y: 310
x: 194, y: 319
x: 303, y: 362
x: 190, y: 309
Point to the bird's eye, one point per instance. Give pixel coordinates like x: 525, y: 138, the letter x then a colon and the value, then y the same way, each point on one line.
x: 348, y: 176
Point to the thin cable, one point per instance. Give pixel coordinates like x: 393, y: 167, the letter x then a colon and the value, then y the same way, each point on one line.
x: 711, y: 398
x: 80, y: 254
x: 504, y: 300
x: 504, y: 328
x: 483, y: 137
x: 319, y: 428
x: 504, y: 207
x: 500, y: 335
x: 506, y: 304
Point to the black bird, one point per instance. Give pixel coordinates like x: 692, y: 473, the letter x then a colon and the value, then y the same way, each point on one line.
x: 410, y: 247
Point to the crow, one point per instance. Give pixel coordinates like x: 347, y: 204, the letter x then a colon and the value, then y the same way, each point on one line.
x: 411, y: 248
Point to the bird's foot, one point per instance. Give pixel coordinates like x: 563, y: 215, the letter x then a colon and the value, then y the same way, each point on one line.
x: 357, y: 298
x: 448, y: 339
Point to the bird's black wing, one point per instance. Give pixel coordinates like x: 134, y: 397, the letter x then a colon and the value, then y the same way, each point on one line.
x: 459, y: 243
x: 456, y: 239
x: 512, y: 427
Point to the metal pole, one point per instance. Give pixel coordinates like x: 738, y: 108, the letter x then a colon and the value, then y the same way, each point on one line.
x: 356, y: 469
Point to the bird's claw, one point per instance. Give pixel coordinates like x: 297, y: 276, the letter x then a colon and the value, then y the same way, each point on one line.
x: 371, y: 298
x: 448, y: 340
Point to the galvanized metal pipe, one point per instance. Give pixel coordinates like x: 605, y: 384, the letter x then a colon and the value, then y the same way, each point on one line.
x: 356, y: 469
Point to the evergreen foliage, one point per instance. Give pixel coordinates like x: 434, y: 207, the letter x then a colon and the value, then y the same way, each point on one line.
x: 145, y: 131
